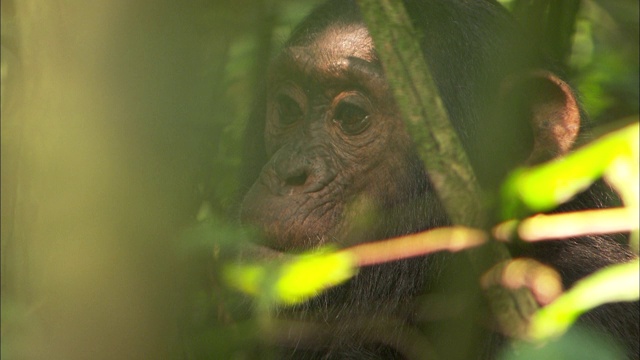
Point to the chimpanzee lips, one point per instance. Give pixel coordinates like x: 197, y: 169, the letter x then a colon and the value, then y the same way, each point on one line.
x: 288, y: 222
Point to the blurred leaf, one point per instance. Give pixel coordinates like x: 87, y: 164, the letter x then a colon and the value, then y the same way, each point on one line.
x: 292, y: 281
x: 608, y: 78
x: 312, y: 273
x: 624, y: 176
x: 619, y: 282
x: 576, y: 344
x: 541, y: 188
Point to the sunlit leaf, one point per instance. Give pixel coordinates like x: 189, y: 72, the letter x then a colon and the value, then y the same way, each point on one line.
x: 312, y: 273
x: 294, y: 280
x: 619, y: 282
x: 544, y: 187
x: 624, y: 175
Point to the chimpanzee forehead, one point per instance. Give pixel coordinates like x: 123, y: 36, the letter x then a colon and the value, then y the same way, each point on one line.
x: 343, y: 41
x: 329, y: 52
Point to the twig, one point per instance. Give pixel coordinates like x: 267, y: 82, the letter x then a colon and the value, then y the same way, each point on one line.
x: 451, y: 238
x: 566, y: 225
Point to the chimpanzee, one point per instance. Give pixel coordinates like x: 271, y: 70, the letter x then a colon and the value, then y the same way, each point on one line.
x: 330, y: 161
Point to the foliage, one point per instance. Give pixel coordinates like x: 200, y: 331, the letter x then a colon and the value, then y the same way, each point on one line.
x: 577, y: 344
x: 542, y: 188
x: 615, y: 283
x: 295, y: 280
x: 166, y: 88
x: 538, y: 188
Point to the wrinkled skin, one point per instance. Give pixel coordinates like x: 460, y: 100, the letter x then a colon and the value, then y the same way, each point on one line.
x: 335, y: 143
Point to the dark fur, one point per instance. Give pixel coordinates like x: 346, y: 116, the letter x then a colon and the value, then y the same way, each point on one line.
x: 470, y: 47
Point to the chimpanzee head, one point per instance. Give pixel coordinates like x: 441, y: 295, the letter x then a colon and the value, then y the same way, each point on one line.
x: 339, y: 165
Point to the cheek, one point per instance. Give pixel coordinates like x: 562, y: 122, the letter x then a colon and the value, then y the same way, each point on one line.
x: 400, y: 175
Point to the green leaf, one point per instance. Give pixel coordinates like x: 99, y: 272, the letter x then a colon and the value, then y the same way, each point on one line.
x: 620, y: 282
x: 541, y: 188
x: 577, y: 344
x: 310, y: 274
x: 294, y: 280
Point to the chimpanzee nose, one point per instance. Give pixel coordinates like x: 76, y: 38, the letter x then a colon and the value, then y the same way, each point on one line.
x: 294, y: 171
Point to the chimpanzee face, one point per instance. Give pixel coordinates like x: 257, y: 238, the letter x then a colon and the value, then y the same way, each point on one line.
x: 337, y: 148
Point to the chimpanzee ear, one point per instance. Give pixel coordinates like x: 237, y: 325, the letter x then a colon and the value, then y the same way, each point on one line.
x: 553, y: 112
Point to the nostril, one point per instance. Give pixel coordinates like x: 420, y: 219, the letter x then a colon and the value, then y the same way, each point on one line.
x: 297, y: 180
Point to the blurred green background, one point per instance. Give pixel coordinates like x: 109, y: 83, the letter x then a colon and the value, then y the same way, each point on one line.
x: 122, y: 123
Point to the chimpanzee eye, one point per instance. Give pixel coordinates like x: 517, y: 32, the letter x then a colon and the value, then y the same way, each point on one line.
x: 352, y: 118
x: 289, y: 111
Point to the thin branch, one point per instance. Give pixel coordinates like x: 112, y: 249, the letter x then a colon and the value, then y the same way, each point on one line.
x: 566, y: 225
x: 451, y: 238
